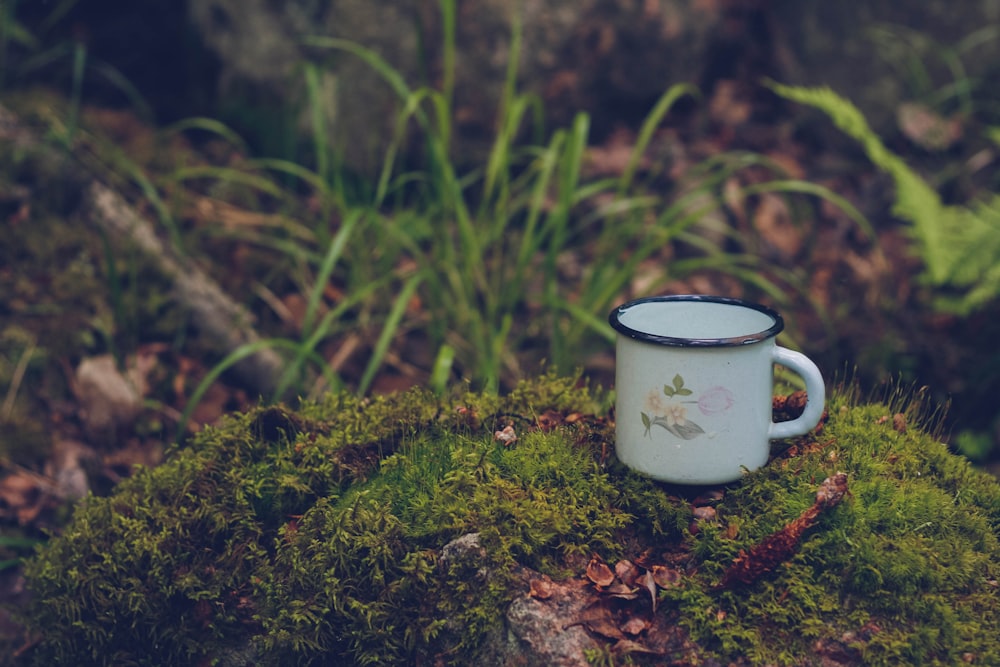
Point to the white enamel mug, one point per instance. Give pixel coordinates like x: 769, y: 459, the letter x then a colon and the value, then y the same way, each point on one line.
x: 694, y: 377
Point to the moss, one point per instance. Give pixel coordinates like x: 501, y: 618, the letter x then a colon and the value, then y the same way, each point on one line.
x: 286, y: 537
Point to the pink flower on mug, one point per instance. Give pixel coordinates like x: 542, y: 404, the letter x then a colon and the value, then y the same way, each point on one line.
x: 715, y: 400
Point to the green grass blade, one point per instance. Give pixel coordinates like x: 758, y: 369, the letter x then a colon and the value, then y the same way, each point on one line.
x: 209, y: 125
x: 9, y: 542
x: 442, y: 369
x: 374, y: 60
x: 330, y: 260
x: 448, y: 15
x: 389, y: 330
x: 305, y: 350
x: 649, y: 125
x: 317, y: 117
x: 76, y: 93
x: 816, y: 190
x: 229, y: 175
x: 233, y: 358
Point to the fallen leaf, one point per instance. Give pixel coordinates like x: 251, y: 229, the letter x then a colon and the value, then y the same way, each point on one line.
x: 648, y: 582
x: 507, y: 436
x: 665, y: 577
x: 635, y: 625
x: 626, y: 646
x: 599, y: 572
x: 773, y: 221
x: 597, y: 618
x: 627, y: 571
x: 927, y: 128
x: 22, y: 493
x: 704, y: 513
x: 899, y: 422
x: 540, y: 588
x: 621, y: 591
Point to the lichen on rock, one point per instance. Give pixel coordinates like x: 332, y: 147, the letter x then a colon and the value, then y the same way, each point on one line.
x: 400, y: 530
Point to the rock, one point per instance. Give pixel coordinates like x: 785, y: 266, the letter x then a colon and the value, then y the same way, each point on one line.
x: 546, y: 633
x: 110, y: 401
x: 611, y: 58
x: 536, y: 632
x: 593, y: 55
x: 865, y: 51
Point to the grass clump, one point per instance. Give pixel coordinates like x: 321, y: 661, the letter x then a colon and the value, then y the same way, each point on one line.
x: 288, y: 537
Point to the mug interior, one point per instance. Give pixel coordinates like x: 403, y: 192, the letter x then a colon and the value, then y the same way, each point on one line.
x: 696, y: 320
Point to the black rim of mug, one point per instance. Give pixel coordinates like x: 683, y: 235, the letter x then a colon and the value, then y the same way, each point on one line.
x: 615, y: 320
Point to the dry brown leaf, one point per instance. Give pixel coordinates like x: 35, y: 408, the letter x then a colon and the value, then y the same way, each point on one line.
x: 899, y: 422
x: 927, y: 128
x: 773, y: 221
x: 621, y: 591
x: 541, y: 588
x: 626, y: 646
x: 729, y: 105
x: 648, y: 582
x: 507, y: 436
x: 635, y: 625
x: 597, y: 618
x: 627, y: 571
x: 704, y: 513
x: 23, y: 494
x: 599, y: 572
x: 665, y: 577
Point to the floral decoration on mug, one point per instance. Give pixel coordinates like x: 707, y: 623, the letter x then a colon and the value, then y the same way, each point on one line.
x: 668, y: 410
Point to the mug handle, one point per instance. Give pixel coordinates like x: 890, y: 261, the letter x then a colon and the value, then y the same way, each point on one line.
x: 815, y: 390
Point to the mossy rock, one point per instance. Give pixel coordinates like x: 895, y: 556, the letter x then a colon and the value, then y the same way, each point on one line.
x: 318, y: 537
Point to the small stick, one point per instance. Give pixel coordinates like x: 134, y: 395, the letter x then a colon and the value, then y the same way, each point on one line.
x: 778, y: 547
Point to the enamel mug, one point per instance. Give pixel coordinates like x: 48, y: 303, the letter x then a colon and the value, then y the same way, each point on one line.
x: 694, y: 378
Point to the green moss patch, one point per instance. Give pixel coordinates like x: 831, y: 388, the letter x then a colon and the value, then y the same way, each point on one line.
x: 287, y: 537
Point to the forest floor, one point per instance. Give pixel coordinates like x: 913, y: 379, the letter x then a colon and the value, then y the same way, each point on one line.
x: 95, y: 372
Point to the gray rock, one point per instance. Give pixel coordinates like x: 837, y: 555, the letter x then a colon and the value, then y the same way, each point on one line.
x: 869, y: 51
x: 583, y: 55
x: 536, y: 632
x: 611, y: 58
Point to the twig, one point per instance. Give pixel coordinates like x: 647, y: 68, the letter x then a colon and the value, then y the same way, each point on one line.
x: 15, y: 382
x: 778, y: 547
x: 224, y: 324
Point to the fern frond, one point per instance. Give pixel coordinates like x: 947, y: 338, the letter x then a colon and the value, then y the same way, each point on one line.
x: 960, y: 245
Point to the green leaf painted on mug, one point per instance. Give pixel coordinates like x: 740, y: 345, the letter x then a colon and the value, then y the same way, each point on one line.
x: 678, y: 383
x: 683, y: 392
x: 687, y: 430
x: 668, y: 390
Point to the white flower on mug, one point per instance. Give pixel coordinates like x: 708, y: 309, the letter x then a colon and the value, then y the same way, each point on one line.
x: 655, y: 402
x: 676, y: 415
x: 670, y: 413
